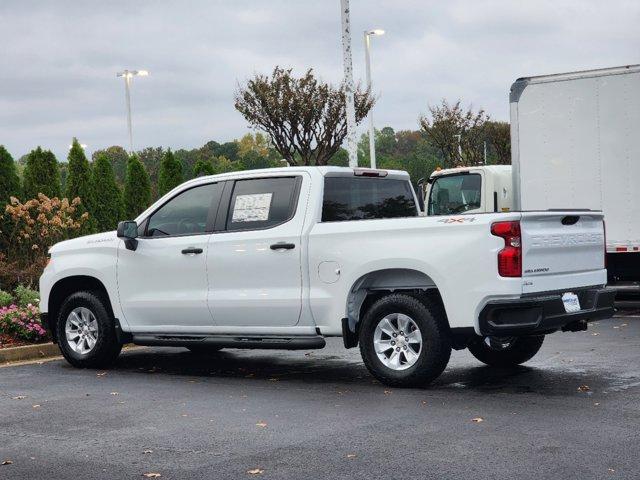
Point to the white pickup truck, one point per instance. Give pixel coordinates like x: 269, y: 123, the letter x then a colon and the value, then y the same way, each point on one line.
x: 283, y: 258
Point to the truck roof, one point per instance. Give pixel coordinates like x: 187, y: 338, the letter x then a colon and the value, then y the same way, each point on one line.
x: 323, y: 170
x: 489, y: 168
x: 521, y: 83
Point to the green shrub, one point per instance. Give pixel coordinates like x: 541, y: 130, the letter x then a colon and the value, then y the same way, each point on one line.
x: 6, y: 298
x: 25, y: 296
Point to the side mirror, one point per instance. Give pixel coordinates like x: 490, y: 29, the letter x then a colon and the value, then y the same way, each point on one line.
x: 128, y: 230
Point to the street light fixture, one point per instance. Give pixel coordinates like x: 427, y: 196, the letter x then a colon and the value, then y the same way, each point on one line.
x: 128, y: 75
x: 367, y: 47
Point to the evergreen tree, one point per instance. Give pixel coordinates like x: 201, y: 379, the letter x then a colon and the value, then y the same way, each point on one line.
x: 170, y: 173
x: 137, y: 188
x: 109, y: 206
x: 9, y: 180
x: 41, y: 175
x: 78, y: 182
x: 202, y: 168
x: 118, y: 157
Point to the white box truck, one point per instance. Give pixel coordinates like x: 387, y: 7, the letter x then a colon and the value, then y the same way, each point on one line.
x: 574, y: 146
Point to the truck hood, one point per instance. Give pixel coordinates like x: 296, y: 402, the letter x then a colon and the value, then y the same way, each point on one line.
x: 86, y: 242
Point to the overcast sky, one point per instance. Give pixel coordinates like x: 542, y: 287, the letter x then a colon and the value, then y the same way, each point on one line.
x: 59, y: 59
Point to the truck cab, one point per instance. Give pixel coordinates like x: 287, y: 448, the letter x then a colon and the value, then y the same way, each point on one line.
x: 480, y: 189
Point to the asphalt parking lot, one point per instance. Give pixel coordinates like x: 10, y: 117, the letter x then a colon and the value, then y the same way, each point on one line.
x: 571, y: 412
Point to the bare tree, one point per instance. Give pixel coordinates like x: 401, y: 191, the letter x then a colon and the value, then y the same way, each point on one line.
x: 304, y: 117
x: 499, y: 138
x: 445, y: 122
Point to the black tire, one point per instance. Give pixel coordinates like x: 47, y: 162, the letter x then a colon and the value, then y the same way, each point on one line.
x: 203, y: 349
x: 106, y: 349
x: 434, y: 355
x: 521, y: 350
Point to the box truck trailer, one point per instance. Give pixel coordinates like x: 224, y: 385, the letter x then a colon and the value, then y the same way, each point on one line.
x: 574, y: 144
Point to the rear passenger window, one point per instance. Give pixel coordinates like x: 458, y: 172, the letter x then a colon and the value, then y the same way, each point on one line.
x: 364, y: 198
x: 262, y: 203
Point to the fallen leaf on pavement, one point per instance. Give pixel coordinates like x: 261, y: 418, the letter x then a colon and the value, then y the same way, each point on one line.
x: 477, y: 419
x: 255, y: 471
x: 6, y: 462
x: 584, y: 388
x: 261, y: 424
x: 151, y: 475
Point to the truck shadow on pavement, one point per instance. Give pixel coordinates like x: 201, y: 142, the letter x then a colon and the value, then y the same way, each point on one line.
x: 311, y: 368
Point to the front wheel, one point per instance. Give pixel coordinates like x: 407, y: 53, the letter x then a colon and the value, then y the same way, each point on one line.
x: 405, y: 341
x: 86, y: 332
x: 506, y: 352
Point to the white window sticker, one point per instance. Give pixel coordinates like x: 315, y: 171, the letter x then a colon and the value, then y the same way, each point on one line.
x: 252, y: 208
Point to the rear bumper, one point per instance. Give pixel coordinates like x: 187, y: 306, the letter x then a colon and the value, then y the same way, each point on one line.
x: 544, y: 313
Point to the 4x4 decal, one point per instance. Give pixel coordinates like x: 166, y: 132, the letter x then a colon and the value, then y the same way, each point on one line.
x: 458, y: 220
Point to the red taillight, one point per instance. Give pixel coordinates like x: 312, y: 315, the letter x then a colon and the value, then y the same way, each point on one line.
x: 510, y: 257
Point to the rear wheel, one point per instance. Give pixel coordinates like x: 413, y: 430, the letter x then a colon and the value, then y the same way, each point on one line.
x: 405, y: 341
x: 86, y: 331
x: 506, y: 352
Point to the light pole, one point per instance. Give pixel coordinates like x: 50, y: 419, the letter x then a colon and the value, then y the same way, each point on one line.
x: 459, y: 137
x: 352, y: 147
x: 128, y: 76
x: 367, y: 49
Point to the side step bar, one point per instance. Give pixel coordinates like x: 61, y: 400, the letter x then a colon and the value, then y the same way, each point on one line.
x: 231, y: 341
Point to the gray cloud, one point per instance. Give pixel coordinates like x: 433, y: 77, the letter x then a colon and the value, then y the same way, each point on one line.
x: 59, y: 59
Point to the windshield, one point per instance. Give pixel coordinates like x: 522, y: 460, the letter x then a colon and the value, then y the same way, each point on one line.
x: 455, y: 194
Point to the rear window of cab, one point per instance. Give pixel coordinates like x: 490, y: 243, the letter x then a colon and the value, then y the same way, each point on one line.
x: 367, y: 198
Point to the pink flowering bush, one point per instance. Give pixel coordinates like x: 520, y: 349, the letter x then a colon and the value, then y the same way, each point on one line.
x: 22, y: 323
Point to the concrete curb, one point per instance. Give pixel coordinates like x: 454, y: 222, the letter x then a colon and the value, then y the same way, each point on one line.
x: 29, y: 352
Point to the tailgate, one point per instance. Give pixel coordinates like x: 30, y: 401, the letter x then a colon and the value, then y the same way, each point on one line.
x: 562, y: 250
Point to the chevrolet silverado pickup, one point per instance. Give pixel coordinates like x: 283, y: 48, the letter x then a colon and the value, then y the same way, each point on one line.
x: 283, y: 258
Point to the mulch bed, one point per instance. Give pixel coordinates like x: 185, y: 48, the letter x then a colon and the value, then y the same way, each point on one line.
x: 7, y: 341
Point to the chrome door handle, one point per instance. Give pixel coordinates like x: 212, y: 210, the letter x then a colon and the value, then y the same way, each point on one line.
x: 192, y: 251
x: 282, y: 246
